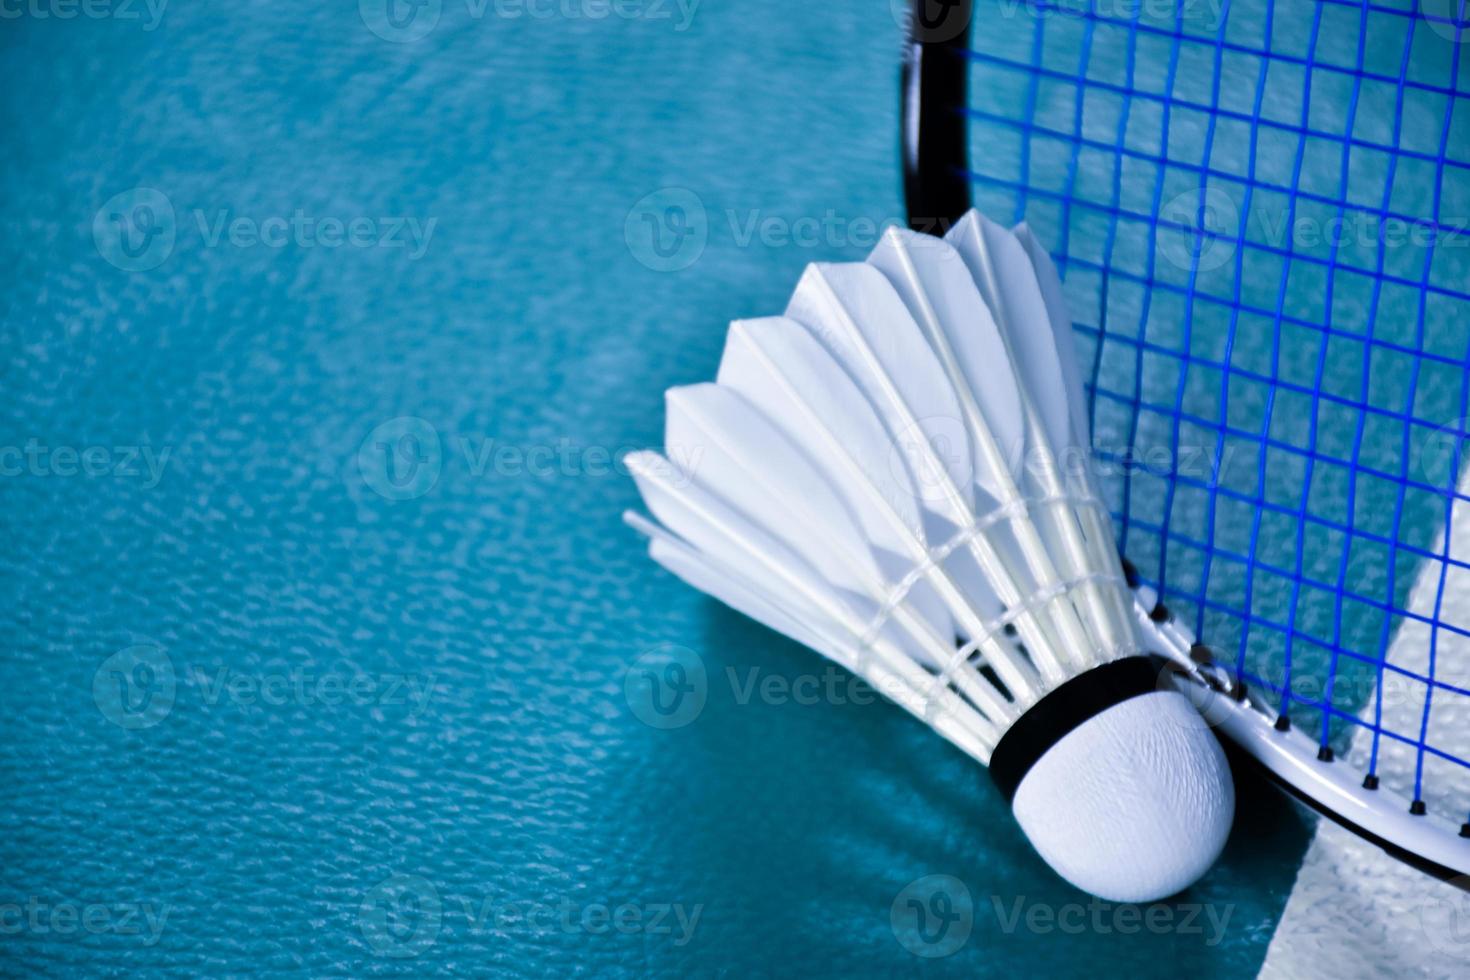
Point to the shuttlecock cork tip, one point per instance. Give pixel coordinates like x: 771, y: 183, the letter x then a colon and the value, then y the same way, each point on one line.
x: 1131, y: 803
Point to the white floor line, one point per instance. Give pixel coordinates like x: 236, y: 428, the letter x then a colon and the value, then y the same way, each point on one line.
x: 1355, y: 912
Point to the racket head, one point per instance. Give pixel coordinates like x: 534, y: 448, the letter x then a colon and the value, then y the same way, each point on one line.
x: 1261, y: 211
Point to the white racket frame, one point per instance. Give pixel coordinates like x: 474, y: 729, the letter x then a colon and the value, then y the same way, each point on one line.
x: 1334, y: 788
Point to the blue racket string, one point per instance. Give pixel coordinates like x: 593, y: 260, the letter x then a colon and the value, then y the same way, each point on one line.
x: 1268, y: 401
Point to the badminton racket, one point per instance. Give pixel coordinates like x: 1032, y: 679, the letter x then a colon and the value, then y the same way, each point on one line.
x: 1261, y: 212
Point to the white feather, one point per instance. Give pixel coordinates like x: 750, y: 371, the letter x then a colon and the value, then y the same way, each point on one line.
x: 744, y: 552
x: 795, y: 380
x: 1003, y: 268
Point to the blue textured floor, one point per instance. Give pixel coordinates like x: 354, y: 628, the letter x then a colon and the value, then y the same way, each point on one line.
x: 286, y: 703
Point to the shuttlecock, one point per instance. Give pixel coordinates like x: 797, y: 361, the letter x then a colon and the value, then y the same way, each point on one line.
x: 889, y: 474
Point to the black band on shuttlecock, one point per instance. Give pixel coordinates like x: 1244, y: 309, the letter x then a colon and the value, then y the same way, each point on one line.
x: 1048, y: 720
